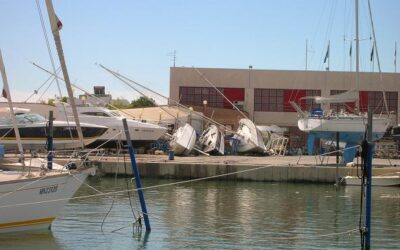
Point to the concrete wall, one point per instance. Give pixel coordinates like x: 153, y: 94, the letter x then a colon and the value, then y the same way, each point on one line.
x: 288, y: 173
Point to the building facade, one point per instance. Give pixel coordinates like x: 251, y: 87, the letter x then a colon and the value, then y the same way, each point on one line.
x: 265, y: 94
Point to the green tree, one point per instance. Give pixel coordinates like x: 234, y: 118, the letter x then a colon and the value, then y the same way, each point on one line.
x: 120, y: 103
x: 50, y: 102
x: 64, y: 99
x: 142, y: 102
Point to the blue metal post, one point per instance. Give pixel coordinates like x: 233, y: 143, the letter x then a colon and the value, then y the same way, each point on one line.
x: 368, y: 199
x: 136, y: 173
x: 368, y: 191
x: 50, y: 142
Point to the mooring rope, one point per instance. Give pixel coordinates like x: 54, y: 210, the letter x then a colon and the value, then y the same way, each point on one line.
x: 136, y: 189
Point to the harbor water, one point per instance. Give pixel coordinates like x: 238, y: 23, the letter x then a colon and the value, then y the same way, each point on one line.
x: 218, y: 214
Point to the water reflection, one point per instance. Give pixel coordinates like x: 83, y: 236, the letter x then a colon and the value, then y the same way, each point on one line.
x: 31, y: 240
x: 220, y: 214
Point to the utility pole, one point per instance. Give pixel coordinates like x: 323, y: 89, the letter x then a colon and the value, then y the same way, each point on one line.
x: 395, y: 56
x: 308, y: 51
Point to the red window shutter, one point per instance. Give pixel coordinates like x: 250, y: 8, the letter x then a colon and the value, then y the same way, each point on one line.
x: 233, y: 94
x: 293, y: 95
x: 363, y: 101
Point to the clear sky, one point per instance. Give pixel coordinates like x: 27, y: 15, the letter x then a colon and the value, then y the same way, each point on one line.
x: 136, y: 38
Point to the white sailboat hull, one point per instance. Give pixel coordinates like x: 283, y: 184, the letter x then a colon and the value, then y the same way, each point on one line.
x: 342, y: 124
x: 250, y: 138
x: 376, y: 180
x: 212, y: 140
x: 35, y: 206
x: 183, y: 140
x: 351, y: 129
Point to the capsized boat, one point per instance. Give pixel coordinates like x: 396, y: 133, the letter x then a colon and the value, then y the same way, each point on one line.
x: 212, y: 140
x: 396, y: 132
x: 383, y: 180
x: 183, y: 140
x: 249, y: 137
x: 142, y: 133
x: 32, y: 128
x: 31, y: 201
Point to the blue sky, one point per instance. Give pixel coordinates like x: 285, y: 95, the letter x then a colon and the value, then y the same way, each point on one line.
x: 135, y: 38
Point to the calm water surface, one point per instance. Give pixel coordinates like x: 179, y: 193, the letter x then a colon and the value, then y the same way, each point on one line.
x: 219, y: 215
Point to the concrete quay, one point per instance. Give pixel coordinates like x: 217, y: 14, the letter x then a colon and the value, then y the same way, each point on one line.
x: 248, y: 168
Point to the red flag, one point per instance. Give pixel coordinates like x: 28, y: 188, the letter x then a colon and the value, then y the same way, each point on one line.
x: 59, y: 23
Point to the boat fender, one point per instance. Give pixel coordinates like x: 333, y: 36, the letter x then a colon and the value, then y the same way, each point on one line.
x: 364, y: 149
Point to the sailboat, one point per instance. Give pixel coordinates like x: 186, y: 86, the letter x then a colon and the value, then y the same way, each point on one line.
x: 212, y: 140
x: 350, y: 126
x: 382, y: 180
x: 249, y: 137
x: 396, y: 132
x: 32, y: 200
x: 183, y: 140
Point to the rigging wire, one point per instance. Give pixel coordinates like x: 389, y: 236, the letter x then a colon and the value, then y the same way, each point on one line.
x: 36, y: 91
x: 122, y: 78
x: 113, y: 200
x: 47, y: 88
x: 127, y: 187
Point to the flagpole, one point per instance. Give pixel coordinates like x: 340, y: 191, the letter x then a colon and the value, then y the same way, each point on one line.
x: 351, y: 58
x: 395, y: 55
x: 329, y: 56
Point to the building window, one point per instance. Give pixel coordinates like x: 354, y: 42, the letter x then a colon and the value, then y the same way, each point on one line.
x: 278, y: 100
x: 268, y: 100
x: 376, y: 102
x: 196, y: 95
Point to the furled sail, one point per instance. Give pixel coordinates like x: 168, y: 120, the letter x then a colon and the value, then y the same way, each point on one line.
x: 348, y: 96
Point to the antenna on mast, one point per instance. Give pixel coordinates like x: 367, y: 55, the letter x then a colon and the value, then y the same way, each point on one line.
x: 173, y: 55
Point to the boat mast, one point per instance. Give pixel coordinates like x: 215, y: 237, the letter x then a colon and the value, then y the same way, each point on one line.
x: 10, y: 105
x: 124, y: 79
x: 357, y: 108
x: 377, y: 58
x: 54, y: 23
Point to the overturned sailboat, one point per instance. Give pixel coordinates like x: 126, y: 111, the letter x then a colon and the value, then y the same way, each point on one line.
x: 183, y: 140
x: 249, y: 137
x: 212, y: 140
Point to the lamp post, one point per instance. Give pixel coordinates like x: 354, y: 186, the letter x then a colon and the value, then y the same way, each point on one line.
x: 248, y: 94
x: 204, y: 107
